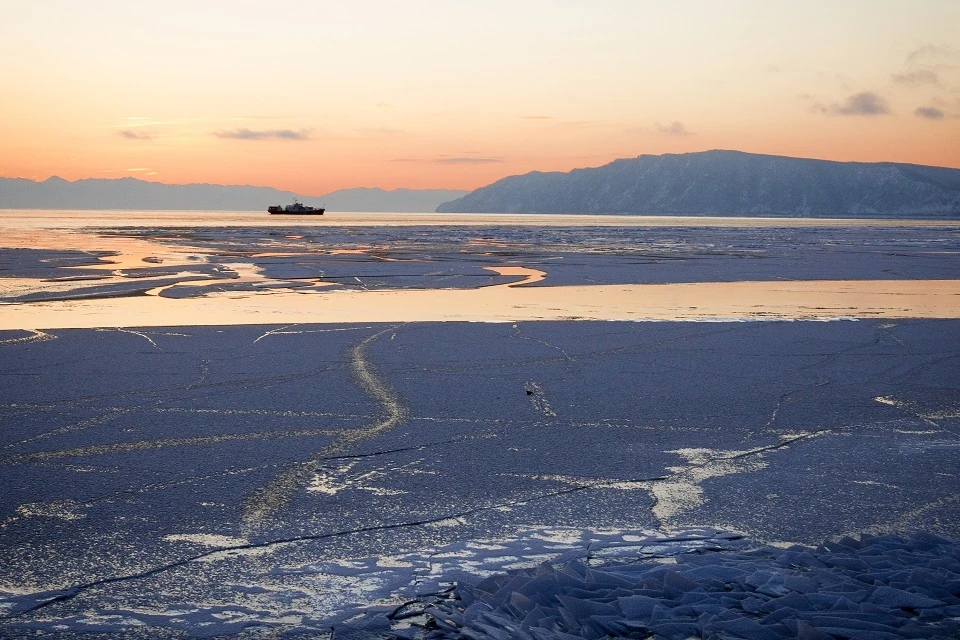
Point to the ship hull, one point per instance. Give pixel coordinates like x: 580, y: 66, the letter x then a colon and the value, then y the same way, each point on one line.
x: 296, y: 209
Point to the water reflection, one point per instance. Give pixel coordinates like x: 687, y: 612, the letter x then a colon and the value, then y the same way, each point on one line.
x: 183, y: 275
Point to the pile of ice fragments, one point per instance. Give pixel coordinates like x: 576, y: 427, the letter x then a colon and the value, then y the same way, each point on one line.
x: 872, y: 589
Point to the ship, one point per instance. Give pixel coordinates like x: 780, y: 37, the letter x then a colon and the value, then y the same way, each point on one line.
x: 296, y: 208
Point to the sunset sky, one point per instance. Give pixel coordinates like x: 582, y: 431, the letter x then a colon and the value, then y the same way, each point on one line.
x: 318, y: 96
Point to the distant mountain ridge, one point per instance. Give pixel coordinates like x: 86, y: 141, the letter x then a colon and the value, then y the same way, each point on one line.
x: 727, y: 183
x: 132, y: 193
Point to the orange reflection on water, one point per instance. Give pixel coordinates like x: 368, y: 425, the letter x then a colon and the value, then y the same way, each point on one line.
x: 711, y: 301
x: 529, y: 275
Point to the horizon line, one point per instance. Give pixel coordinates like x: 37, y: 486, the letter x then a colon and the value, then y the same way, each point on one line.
x: 642, y: 155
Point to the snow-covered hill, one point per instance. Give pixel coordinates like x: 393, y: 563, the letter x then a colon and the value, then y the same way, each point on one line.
x: 727, y: 183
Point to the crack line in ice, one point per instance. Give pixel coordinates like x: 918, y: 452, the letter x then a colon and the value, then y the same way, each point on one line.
x: 279, y: 491
x: 270, y: 332
x: 282, y: 331
x: 37, y: 336
x: 332, y: 481
x: 929, y: 417
x: 144, y: 445
x: 206, y: 539
x: 51, y: 507
x: 111, y: 412
x: 69, y: 593
x: 680, y: 490
x: 137, y: 333
x: 538, y: 399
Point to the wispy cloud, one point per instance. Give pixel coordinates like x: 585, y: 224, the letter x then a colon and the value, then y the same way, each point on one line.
x: 272, y: 134
x: 917, y: 77
x: 453, y: 160
x: 675, y: 128
x: 130, y: 134
x: 865, y: 103
x: 138, y: 169
x: 933, y: 54
x: 467, y: 160
x: 930, y: 113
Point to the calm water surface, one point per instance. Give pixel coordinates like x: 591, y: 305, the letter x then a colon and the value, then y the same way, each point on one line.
x: 71, y: 219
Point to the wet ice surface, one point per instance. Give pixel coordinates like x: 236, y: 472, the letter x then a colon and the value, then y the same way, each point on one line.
x: 136, y: 278
x: 252, y: 480
x: 201, y: 261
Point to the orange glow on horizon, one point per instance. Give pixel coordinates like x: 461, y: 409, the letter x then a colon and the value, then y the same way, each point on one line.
x: 405, y: 97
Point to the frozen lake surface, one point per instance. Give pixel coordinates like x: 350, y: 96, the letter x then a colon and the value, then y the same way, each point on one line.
x: 246, y: 477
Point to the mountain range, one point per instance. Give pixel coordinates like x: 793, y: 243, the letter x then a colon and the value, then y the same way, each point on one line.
x: 727, y: 183
x: 707, y: 183
x: 131, y: 193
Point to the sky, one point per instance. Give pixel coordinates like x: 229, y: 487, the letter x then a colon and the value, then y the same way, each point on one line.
x: 317, y: 96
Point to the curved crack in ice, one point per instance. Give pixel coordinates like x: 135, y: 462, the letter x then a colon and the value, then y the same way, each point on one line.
x: 279, y: 491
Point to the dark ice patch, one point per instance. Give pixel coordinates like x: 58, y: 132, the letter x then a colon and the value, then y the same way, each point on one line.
x: 45, y: 263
